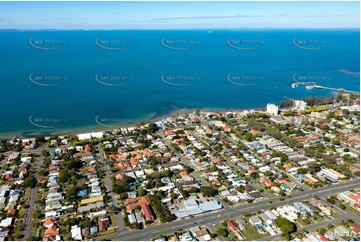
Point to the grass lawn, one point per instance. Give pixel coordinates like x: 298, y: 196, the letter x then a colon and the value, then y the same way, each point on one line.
x: 113, y: 220
x: 351, y: 209
x: 22, y: 213
x: 26, y: 195
x: 317, y: 218
x: 233, y: 236
x: 24, y: 198
x: 110, y: 231
x: 302, y: 222
x: 251, y: 233
x: 35, y: 232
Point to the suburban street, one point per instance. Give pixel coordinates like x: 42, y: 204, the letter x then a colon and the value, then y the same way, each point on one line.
x: 195, y: 172
x: 108, y: 184
x: 33, y: 197
x: 209, y: 219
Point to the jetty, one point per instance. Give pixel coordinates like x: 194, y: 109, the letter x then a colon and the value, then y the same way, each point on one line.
x: 310, y: 85
x: 334, y: 89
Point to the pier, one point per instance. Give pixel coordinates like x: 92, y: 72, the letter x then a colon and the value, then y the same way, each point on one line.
x: 334, y: 89
x: 310, y: 85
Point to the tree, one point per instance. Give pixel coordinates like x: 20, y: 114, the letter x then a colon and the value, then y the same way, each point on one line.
x: 197, y: 112
x: 285, y: 225
x: 213, y: 168
x: 302, y: 171
x: 86, y: 222
x: 268, y: 173
x: 208, y: 191
x: 71, y: 193
x: 165, y: 173
x: 44, y: 153
x: 163, y: 214
x: 183, y: 192
x: 30, y: 181
x: 141, y: 192
x: 254, y: 175
x: 286, y: 237
x: 310, y: 152
x: 148, y: 222
x: 40, y: 139
x: 193, y: 190
x: 18, y: 234
x: 152, y: 128
x: 283, y: 156
x: 117, y: 189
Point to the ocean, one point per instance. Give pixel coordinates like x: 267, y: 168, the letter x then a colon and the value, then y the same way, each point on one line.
x: 60, y: 82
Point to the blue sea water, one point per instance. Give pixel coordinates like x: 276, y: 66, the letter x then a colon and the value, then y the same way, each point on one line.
x: 55, y: 82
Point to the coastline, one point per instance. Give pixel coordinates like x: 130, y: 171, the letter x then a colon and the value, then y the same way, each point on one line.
x: 149, y: 118
x: 99, y: 128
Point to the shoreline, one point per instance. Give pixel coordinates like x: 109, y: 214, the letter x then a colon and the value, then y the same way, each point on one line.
x: 149, y: 118
x: 94, y: 129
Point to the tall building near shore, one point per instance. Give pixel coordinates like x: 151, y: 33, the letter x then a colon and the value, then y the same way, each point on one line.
x: 300, y: 105
x: 272, y: 109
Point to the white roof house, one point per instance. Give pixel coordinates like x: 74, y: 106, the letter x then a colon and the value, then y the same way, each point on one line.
x: 84, y: 136
x: 76, y: 232
x: 6, y: 222
x: 271, y: 215
x: 131, y: 218
x: 255, y: 220
x: 26, y: 159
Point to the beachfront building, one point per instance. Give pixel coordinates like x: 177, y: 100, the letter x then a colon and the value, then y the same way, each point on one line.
x: 300, y: 105
x: 272, y: 109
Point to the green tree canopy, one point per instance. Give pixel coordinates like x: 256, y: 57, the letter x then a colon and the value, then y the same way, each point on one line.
x: 208, y: 191
x: 285, y: 225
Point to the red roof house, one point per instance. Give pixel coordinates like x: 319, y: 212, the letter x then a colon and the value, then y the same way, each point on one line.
x: 232, y: 225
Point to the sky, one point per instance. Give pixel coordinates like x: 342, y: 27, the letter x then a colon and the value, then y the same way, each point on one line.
x: 178, y: 15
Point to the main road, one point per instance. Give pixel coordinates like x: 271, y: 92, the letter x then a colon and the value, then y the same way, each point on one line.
x: 230, y: 212
x: 309, y: 227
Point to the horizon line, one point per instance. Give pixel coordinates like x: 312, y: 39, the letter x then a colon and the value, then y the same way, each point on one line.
x: 175, y: 29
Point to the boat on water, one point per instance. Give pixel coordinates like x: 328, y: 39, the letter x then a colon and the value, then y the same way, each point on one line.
x: 308, y: 87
